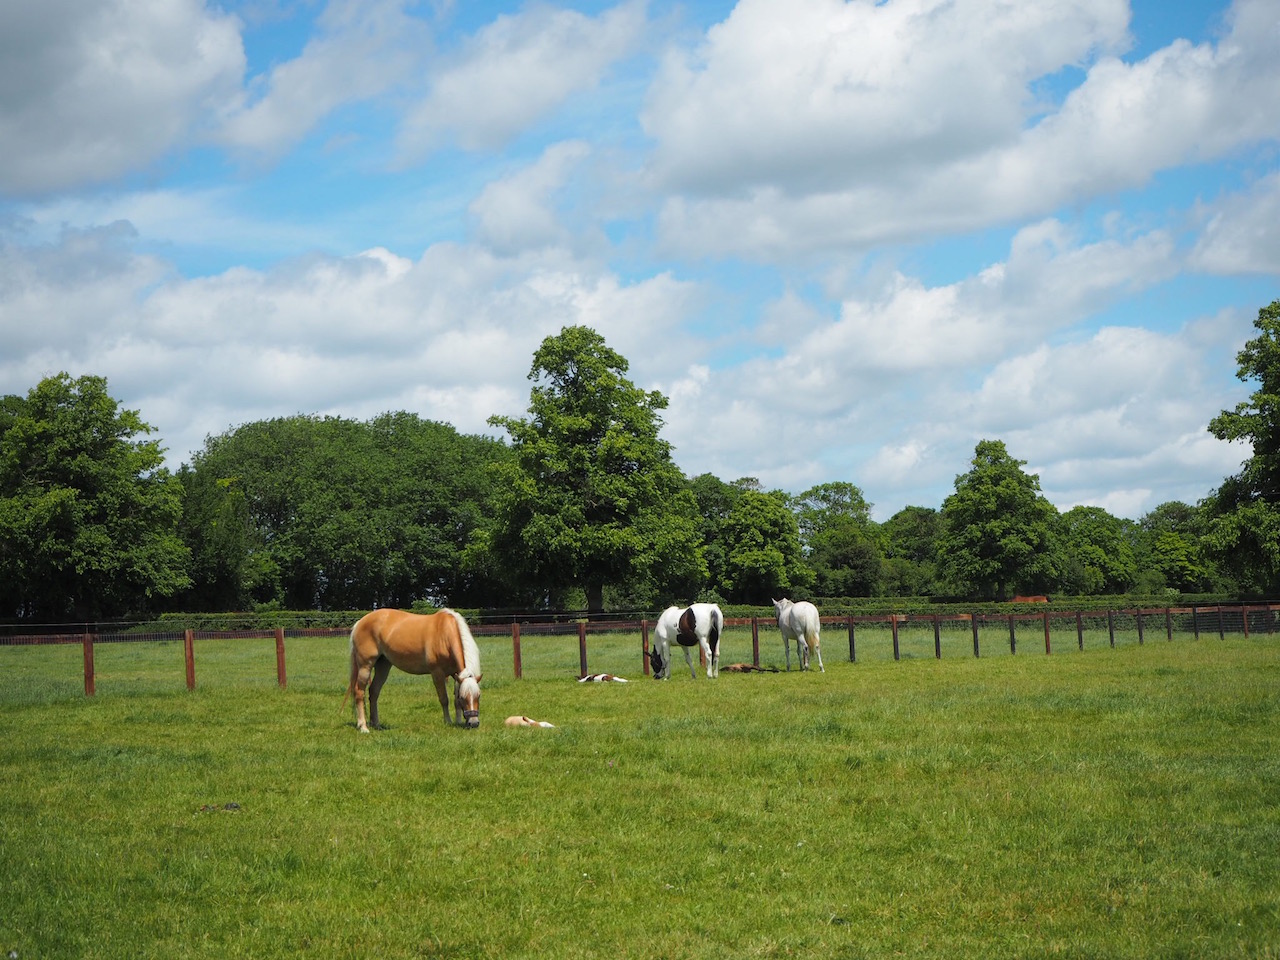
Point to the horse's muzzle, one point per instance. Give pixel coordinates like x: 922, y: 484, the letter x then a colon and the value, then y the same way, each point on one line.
x: 471, y: 719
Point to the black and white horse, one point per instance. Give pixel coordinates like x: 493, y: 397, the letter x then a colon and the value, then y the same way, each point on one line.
x: 698, y: 625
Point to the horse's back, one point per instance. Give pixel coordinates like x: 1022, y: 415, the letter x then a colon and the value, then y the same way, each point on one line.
x: 414, y: 642
x: 668, y: 623
x: 805, y: 617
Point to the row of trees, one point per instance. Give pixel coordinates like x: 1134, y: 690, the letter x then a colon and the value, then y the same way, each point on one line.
x: 582, y: 506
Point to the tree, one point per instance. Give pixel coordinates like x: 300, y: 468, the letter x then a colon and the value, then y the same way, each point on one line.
x: 762, y: 549
x: 1099, y: 559
x: 715, y: 500
x: 88, y: 515
x: 997, y: 528
x: 332, y: 513
x: 1171, y: 555
x: 843, y: 545
x: 1244, y: 532
x: 592, y: 496
x: 911, y: 537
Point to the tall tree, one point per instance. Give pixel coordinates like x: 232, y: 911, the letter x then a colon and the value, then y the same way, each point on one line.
x: 910, y: 567
x: 88, y: 515
x: 763, y: 558
x: 1244, y: 532
x: 1171, y: 554
x: 997, y: 528
x: 339, y: 514
x: 844, y: 547
x: 1099, y: 558
x: 715, y: 500
x: 592, y: 496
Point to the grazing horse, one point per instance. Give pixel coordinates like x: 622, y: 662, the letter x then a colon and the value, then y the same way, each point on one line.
x: 800, y: 621
x: 698, y: 625
x: 439, y: 644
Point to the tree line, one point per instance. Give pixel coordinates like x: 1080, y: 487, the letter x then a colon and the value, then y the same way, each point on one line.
x: 581, y: 506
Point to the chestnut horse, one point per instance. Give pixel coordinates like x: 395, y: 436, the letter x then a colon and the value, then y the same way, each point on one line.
x: 439, y: 644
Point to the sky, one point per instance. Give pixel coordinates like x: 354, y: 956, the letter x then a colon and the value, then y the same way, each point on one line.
x: 846, y: 240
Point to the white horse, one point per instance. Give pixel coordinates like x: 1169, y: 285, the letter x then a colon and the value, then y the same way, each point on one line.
x: 800, y: 621
x: 698, y: 625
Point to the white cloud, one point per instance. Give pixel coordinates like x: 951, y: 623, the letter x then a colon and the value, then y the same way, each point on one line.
x: 516, y: 213
x: 884, y: 395
x: 814, y: 94
x: 92, y: 91
x: 514, y: 72
x: 450, y: 335
x: 823, y: 124
x: 1243, y: 232
x: 363, y: 48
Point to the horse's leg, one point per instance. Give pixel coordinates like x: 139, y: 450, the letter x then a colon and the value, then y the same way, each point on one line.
x: 709, y: 657
x: 786, y: 648
x: 688, y: 658
x: 363, y: 673
x: 381, y: 667
x: 442, y: 691
x: 817, y: 650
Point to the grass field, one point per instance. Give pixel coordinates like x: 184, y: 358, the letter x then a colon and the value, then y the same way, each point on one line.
x: 1113, y: 803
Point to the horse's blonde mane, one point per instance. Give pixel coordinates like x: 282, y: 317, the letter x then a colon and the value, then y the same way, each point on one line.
x: 470, y: 652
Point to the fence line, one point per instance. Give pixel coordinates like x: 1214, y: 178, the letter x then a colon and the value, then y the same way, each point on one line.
x: 1218, y: 618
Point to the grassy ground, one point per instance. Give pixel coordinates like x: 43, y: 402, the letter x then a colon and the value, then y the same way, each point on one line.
x: 1113, y: 803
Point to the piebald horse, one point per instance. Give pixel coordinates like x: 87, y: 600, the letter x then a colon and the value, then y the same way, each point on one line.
x: 439, y: 644
x: 698, y: 625
x: 800, y: 622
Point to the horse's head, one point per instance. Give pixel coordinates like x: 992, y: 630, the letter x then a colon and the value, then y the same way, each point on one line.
x: 656, y: 664
x: 780, y: 607
x: 467, y: 700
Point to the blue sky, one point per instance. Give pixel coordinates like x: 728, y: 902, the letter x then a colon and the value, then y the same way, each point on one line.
x: 847, y: 240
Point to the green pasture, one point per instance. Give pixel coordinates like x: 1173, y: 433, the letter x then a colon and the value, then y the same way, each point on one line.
x: 1116, y: 802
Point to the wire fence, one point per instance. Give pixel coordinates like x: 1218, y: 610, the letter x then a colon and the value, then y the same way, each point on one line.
x: 315, y: 655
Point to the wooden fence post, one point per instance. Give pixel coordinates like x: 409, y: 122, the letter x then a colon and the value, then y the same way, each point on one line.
x: 280, y: 656
x: 582, y: 647
x: 1013, y: 636
x: 893, y: 620
x: 937, y: 638
x: 973, y: 621
x: 644, y: 646
x: 853, y: 649
x: 189, y: 654
x: 1079, y: 631
x: 1244, y: 615
x: 1222, y: 634
x: 1138, y: 614
x: 516, y: 665
x: 1046, y: 632
x: 89, y: 685
x: 1111, y: 626
x: 755, y: 641
x: 1195, y: 620
x: 1168, y: 623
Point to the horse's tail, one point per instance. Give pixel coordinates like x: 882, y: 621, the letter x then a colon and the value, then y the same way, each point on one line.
x: 351, y: 683
x: 717, y: 625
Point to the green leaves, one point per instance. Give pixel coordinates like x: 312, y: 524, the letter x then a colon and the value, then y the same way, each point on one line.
x: 88, y: 519
x: 1242, y: 534
x: 997, y: 528
x: 334, y: 513
x: 592, y: 496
